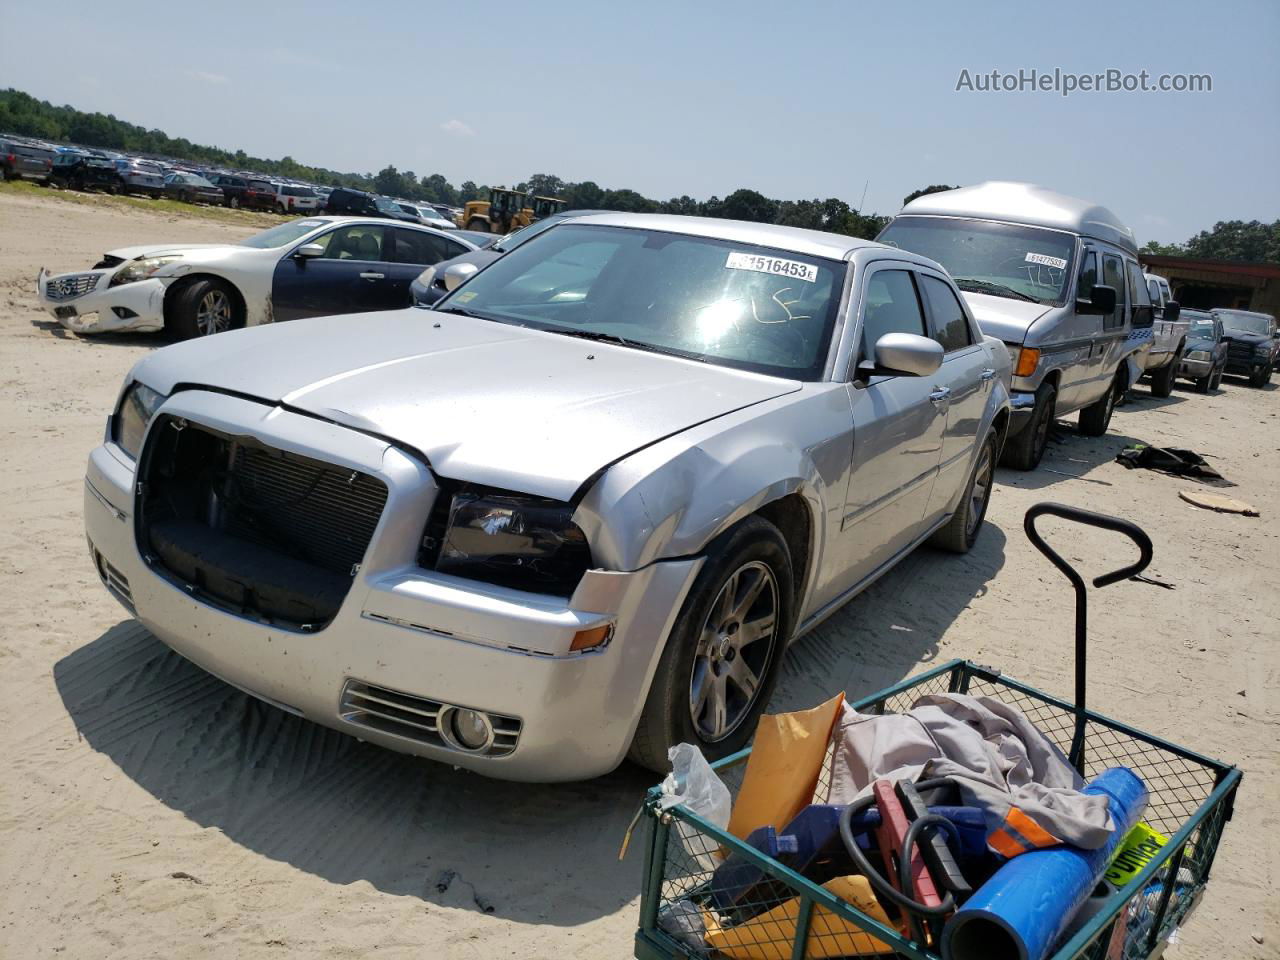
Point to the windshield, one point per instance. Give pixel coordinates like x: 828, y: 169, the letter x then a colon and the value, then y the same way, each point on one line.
x: 1201, y: 325
x: 732, y: 304
x: 1246, y: 323
x: 386, y: 206
x: 516, y: 237
x: 284, y: 234
x: 1003, y: 259
x: 198, y: 180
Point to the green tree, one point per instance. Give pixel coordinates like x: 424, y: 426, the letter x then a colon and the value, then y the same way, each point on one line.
x: 584, y: 196
x: 1163, y: 249
x: 749, y: 205
x: 545, y: 185
x: 1237, y: 240
x: 933, y: 188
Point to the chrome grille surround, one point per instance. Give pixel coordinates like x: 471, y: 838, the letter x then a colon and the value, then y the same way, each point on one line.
x: 417, y: 718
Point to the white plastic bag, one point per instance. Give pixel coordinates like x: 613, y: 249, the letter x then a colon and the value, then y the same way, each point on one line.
x: 693, y: 784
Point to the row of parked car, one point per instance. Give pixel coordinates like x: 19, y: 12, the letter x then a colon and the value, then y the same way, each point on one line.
x: 76, y: 168
x: 576, y: 509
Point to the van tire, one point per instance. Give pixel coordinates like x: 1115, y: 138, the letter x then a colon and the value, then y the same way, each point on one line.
x: 962, y: 530
x: 1025, y: 449
x: 1162, y: 380
x: 1095, y: 418
x: 666, y: 718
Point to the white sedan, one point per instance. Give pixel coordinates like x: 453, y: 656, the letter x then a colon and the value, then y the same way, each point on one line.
x: 304, y: 268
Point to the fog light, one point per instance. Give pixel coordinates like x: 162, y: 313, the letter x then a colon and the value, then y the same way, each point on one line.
x: 466, y: 729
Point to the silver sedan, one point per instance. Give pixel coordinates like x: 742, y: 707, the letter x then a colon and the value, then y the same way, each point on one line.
x: 575, y: 512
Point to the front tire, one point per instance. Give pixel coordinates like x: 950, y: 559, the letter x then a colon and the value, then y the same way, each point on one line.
x: 479, y: 225
x: 961, y: 531
x: 1260, y: 377
x: 1162, y: 380
x: 1025, y: 449
x: 1204, y: 384
x: 203, y: 308
x: 720, y: 663
x: 1095, y: 418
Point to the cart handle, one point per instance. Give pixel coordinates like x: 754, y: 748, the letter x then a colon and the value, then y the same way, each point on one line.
x: 1130, y: 530
x: 1089, y: 518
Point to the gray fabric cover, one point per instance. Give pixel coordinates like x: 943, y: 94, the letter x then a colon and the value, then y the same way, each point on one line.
x: 998, y: 758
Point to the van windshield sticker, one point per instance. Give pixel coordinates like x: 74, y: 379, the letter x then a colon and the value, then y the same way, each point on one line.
x: 775, y: 265
x: 1046, y: 261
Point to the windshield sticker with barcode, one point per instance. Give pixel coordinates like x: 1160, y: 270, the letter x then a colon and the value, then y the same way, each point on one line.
x: 782, y: 268
x: 1047, y: 261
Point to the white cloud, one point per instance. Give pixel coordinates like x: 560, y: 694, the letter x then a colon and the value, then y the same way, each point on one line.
x: 457, y: 128
x: 207, y: 77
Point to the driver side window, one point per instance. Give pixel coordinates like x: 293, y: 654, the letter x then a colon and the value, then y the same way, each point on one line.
x: 357, y: 242
x: 890, y: 305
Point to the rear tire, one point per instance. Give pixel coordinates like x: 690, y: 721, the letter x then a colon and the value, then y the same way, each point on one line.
x: 961, y: 531
x: 1025, y: 449
x: 1162, y: 380
x: 201, y: 309
x: 1095, y: 418
x: 743, y: 591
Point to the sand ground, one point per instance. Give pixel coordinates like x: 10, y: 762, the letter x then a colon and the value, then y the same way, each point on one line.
x: 149, y: 810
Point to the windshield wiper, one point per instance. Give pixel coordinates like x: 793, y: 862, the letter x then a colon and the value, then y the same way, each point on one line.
x: 986, y: 286
x: 599, y: 336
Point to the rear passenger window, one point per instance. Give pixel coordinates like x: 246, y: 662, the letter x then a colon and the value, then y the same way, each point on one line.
x: 950, y: 325
x: 424, y: 249
x: 891, y: 307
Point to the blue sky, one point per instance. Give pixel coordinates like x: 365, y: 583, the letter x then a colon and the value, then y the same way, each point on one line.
x: 792, y: 99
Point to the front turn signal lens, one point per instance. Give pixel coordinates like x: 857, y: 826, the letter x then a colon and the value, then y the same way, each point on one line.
x: 1028, y: 360
x: 590, y: 639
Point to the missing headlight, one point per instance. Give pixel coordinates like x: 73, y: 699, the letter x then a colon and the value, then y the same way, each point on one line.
x: 528, y: 543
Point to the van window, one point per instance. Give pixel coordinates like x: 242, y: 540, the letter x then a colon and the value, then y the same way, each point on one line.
x: 1143, y: 314
x: 1088, y: 275
x: 950, y: 325
x: 891, y: 307
x: 1113, y: 276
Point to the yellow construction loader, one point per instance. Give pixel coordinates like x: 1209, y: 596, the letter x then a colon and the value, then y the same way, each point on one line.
x: 506, y: 210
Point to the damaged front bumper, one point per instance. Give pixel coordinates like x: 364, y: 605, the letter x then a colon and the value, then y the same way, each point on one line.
x: 85, y: 301
x: 407, y: 645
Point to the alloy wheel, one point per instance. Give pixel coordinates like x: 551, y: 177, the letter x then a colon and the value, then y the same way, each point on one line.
x: 980, y: 491
x: 214, y: 313
x: 735, y: 651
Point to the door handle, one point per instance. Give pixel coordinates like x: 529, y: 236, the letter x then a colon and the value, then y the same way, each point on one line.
x: 940, y: 395
x: 373, y: 276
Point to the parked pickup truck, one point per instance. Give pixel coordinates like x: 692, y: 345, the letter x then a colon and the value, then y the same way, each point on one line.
x: 550, y: 523
x: 1168, y: 337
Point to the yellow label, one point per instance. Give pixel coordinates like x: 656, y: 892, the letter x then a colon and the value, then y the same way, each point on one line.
x: 465, y: 297
x: 1139, y: 846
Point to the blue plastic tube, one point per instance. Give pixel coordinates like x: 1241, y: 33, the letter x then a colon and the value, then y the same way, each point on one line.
x: 1019, y: 913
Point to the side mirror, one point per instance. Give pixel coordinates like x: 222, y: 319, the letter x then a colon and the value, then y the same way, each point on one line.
x: 1171, y: 310
x: 1102, y: 299
x: 906, y: 354
x: 458, y: 274
x: 309, y: 250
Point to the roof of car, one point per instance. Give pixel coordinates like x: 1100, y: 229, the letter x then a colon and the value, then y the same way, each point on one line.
x: 1012, y: 202
x: 812, y: 242
x: 1243, y: 313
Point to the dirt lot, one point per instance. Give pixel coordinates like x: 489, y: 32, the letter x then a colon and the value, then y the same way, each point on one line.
x: 148, y: 810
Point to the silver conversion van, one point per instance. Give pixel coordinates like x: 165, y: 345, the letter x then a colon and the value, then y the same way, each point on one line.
x: 1057, y: 279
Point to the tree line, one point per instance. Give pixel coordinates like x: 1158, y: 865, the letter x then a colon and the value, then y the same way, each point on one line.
x: 21, y: 113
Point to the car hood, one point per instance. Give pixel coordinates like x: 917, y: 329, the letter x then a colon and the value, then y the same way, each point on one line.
x: 1003, y: 317
x: 484, y: 402
x: 168, y: 249
x: 1239, y: 336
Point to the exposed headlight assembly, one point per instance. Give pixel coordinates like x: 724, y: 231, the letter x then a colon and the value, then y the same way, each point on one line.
x: 528, y: 543
x: 136, y: 270
x: 1262, y: 351
x: 130, y: 423
x: 1198, y: 355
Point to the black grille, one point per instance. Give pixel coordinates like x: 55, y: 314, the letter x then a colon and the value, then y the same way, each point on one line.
x: 327, y: 513
x: 1239, y: 352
